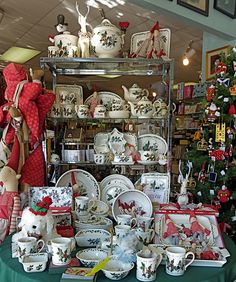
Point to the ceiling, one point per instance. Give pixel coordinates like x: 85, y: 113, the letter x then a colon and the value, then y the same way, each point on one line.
x: 27, y: 23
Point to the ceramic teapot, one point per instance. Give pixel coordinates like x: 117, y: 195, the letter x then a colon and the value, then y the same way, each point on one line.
x: 143, y: 108
x: 161, y: 108
x: 134, y: 93
x: 107, y: 40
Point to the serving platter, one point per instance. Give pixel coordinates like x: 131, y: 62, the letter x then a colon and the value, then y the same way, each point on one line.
x: 152, y: 142
x: 116, y: 179
x: 133, y: 202
x: 75, y: 91
x: 106, y: 98
x: 91, y: 237
x: 88, y: 185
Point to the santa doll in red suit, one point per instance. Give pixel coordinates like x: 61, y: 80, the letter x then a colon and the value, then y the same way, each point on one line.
x: 171, y: 232
x: 199, y: 232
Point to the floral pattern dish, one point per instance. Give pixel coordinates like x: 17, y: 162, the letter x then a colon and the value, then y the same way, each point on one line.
x: 152, y: 142
x: 91, y: 237
x: 90, y: 257
x: 117, y: 142
x: 87, y: 184
x: 116, y: 179
x: 132, y: 202
x: 35, y: 262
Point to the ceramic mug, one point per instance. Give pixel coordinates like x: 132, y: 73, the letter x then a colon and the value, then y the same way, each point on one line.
x: 147, y: 263
x: 68, y: 111
x: 73, y: 51
x: 175, y: 260
x: 61, y: 250
x: 55, y: 111
x: 71, y: 98
x: 148, y: 155
x: 144, y: 222
x: 63, y: 96
x: 28, y: 245
x: 145, y: 236
x: 82, y: 111
x: 126, y: 219
x: 53, y: 51
x: 81, y: 205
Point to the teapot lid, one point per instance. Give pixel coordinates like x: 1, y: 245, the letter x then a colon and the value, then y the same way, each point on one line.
x: 106, y: 22
x: 135, y: 85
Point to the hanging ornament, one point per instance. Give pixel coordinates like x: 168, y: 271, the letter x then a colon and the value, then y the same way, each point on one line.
x: 223, y: 81
x: 202, y: 174
x: 210, y: 93
x: 202, y: 145
x: 197, y: 135
x: 221, y: 68
x: 230, y: 133
x: 232, y: 90
x: 232, y: 110
x: 218, y: 155
x: 224, y: 194
x: 212, y: 112
x: 234, y: 66
x: 212, y: 176
x: 220, y: 132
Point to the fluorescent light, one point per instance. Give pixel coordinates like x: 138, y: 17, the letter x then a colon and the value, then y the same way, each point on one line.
x: 19, y: 55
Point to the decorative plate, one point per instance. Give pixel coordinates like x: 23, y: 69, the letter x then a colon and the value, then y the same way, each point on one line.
x: 69, y: 94
x: 116, y: 178
x: 138, y: 38
x: 156, y: 186
x: 117, y: 142
x: 111, y: 191
x: 132, y: 202
x: 182, y: 222
x: 152, y: 142
x: 106, y: 98
x: 88, y: 185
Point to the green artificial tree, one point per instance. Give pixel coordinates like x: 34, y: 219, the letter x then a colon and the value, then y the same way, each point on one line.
x: 212, y: 151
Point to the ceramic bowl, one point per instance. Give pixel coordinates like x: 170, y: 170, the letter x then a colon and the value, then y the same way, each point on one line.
x: 91, y: 237
x: 91, y: 257
x: 119, y: 114
x: 99, y: 208
x: 35, y: 262
x: 95, y: 222
x: 117, y: 270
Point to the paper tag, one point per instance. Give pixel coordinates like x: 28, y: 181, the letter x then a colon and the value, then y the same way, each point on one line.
x: 222, y: 172
x: 212, y: 192
x: 226, y: 99
x: 199, y: 193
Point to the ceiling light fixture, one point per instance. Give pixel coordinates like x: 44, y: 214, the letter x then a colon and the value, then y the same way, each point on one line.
x: 189, y: 52
x: 19, y: 55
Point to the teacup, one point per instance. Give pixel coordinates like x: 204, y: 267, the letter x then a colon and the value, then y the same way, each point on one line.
x: 71, y: 98
x: 61, y: 250
x: 82, y: 111
x: 147, y: 263
x: 145, y: 236
x: 175, y: 260
x: 28, y: 245
x: 126, y: 219
x: 148, y: 155
x: 81, y: 205
x: 63, y: 96
x: 73, y: 51
x: 144, y: 222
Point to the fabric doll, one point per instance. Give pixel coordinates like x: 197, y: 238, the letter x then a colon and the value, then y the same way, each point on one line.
x: 9, y: 198
x: 171, y: 232
x: 197, y: 229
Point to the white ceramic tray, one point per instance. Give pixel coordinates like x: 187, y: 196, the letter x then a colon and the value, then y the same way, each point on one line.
x: 88, y: 185
x: 77, y: 91
x: 152, y: 142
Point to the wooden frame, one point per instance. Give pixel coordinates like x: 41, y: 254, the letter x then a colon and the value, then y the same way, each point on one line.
x: 201, y: 6
x: 229, y: 8
x: 212, y: 57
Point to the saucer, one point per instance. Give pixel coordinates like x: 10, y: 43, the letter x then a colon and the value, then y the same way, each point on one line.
x: 122, y: 163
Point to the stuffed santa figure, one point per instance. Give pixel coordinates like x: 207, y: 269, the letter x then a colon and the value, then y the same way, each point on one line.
x: 171, y: 232
x: 198, y: 231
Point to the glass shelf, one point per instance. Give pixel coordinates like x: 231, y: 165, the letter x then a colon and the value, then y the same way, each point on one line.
x: 106, y: 66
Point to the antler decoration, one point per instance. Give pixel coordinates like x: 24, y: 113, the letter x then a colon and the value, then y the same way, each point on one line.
x: 183, y: 196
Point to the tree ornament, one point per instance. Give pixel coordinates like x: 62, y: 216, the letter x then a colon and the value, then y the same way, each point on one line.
x: 197, y: 135
x: 232, y: 110
x: 234, y: 66
x: 202, y: 145
x: 221, y: 68
x: 232, y: 90
x: 224, y: 194
x: 218, y: 155
x: 210, y: 93
x: 223, y: 81
x: 202, y: 174
x: 220, y: 132
x: 212, y: 112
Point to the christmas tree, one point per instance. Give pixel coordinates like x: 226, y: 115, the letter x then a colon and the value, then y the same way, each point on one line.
x: 212, y: 151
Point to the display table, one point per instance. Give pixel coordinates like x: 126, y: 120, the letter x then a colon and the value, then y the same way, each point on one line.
x: 12, y: 271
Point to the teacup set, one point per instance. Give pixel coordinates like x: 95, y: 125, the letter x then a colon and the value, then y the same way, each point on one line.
x: 65, y: 106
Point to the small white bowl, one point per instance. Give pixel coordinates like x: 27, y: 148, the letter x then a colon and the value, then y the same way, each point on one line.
x: 117, y: 270
x: 91, y: 237
x: 35, y: 262
x: 91, y: 257
x: 99, y: 208
x: 119, y: 114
